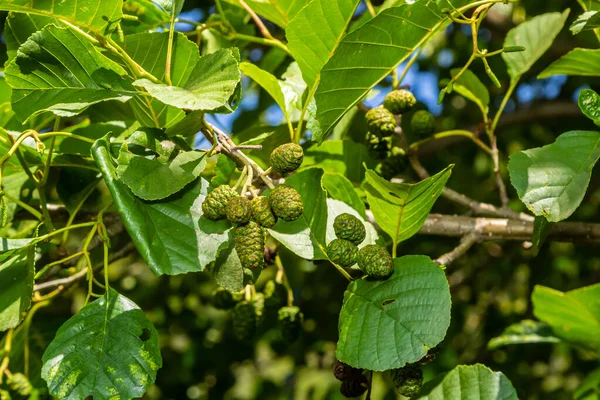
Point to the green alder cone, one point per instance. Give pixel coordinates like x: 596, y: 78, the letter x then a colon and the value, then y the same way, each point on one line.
x: 350, y: 228
x: 276, y: 295
x: 423, y: 123
x: 238, y: 210
x: 215, y: 204
x: 379, y: 147
x: 290, y: 323
x: 394, y: 165
x: 381, y: 121
x: 224, y: 300
x: 287, y: 158
x: 249, y: 242
x: 244, y: 320
x: 286, y: 203
x: 399, y: 101
x: 408, y: 380
x: 19, y: 384
x: 375, y: 262
x: 342, y: 252
x: 4, y: 395
x: 259, y: 307
x: 261, y: 212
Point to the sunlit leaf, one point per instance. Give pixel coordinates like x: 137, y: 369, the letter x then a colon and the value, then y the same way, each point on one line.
x: 536, y: 35
x: 578, y: 62
x: 16, y: 287
x: 586, y: 22
x: 386, y: 324
x: 524, y: 332
x: 550, y: 184
x: 107, y: 349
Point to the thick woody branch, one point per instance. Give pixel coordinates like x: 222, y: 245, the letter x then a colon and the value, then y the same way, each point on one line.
x: 487, y: 229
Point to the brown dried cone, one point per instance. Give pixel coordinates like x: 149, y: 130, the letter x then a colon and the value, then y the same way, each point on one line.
x: 343, y: 371
x: 287, y: 158
x: 238, y: 210
x: 355, y: 386
x: 261, y: 212
x: 249, y: 242
x: 214, y: 205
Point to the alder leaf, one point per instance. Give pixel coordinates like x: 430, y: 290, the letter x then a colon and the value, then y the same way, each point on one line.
x: 574, y: 316
x: 473, y: 382
x: 550, y: 184
x: 16, y: 286
x: 578, y: 62
x: 386, y: 324
x: 211, y: 85
x: 59, y: 70
x: 108, y: 349
x: 536, y: 35
x: 400, y: 209
x: 523, y: 332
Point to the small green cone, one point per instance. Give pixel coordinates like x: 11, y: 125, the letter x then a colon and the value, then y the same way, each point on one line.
x: 399, y: 101
x: 249, y: 242
x: 381, y: 121
x: 238, y: 210
x: 244, y: 320
x: 408, y: 379
x: 214, y: 205
x: 290, y: 323
x: 286, y: 203
x: 287, y: 158
x: 261, y: 212
x: 19, y: 384
x: 276, y: 295
x: 375, y: 262
x: 350, y: 228
x: 342, y: 252
x: 423, y: 123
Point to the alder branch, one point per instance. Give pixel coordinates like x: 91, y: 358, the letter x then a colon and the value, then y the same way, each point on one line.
x: 488, y: 229
x: 465, y: 244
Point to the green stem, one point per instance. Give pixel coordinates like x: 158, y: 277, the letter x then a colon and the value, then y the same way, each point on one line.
x: 88, y: 191
x: 409, y: 64
x: 134, y: 67
x: 264, y: 41
x: 43, y: 136
x: 511, y: 88
x: 44, y: 181
x: 60, y: 230
x: 25, y: 206
x: 46, y: 267
x: 370, y: 8
x: 170, y: 48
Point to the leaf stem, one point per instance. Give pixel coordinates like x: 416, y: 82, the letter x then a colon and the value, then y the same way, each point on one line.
x: 43, y: 136
x: 370, y: 8
x: 46, y: 267
x: 170, y: 48
x: 25, y: 206
x: 263, y: 29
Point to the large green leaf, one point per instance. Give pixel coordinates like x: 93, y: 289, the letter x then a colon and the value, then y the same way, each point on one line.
x: 340, y: 156
x: 586, y: 22
x: 386, y: 324
x: 59, y: 70
x: 400, y: 209
x: 211, y: 85
x: 340, y: 188
x: 306, y: 236
x: 574, y: 316
x: 470, y: 86
x: 552, y: 180
x: 270, y: 84
x: 368, y: 54
x: 161, y: 176
x: 19, y: 27
x: 473, y: 382
x: 579, y: 62
x: 16, y: 288
x: 280, y: 12
x: 524, y: 332
x: 589, y: 103
x: 164, y: 232
x: 93, y: 15
x: 315, y: 33
x: 590, y: 387
x: 149, y: 50
x: 536, y: 35
x: 107, y: 350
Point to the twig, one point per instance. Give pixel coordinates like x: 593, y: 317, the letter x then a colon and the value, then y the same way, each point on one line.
x: 67, y: 282
x: 476, y: 206
x: 465, y: 244
x: 499, y: 181
x: 263, y: 29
